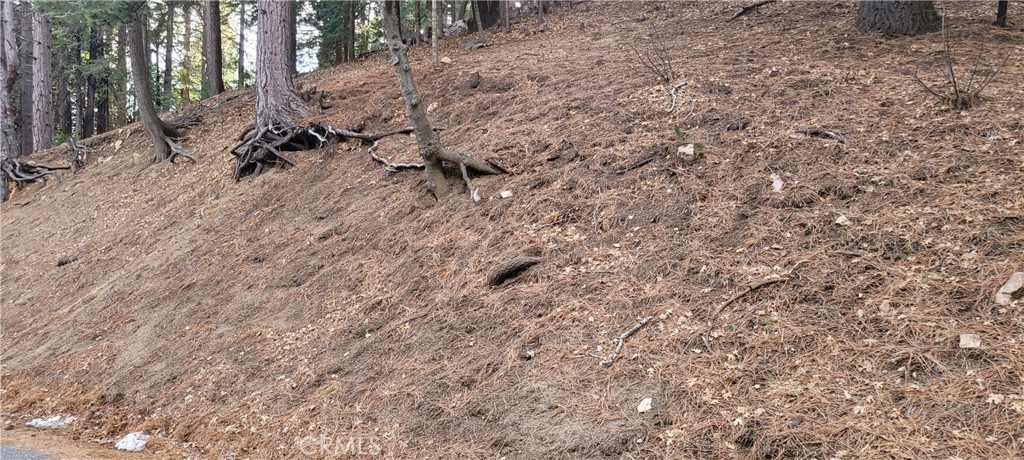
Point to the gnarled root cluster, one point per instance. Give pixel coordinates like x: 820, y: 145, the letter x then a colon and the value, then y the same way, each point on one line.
x: 22, y: 174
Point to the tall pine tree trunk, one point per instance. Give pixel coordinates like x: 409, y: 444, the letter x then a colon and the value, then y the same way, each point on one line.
x: 121, y: 93
x: 103, y: 88
x: 241, y: 44
x: 291, y: 37
x: 479, y: 22
x: 25, y: 75
x: 898, y: 17
x: 351, y: 31
x: 163, y: 147
x: 42, y: 101
x: 186, y: 60
x: 434, y: 25
x: 214, y: 58
x: 168, y: 92
x: 80, y: 96
x: 65, y: 118
x: 277, y: 105
x: 8, y: 74
x: 417, y: 21
x: 89, y: 121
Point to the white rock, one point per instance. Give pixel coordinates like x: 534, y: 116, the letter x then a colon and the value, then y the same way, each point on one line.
x: 134, y: 442
x: 446, y: 60
x: 645, y: 405
x: 1013, y: 289
x: 505, y: 194
x: 777, y: 183
x: 844, y: 221
x: 686, y: 149
x: 970, y: 341
x: 53, y: 423
x: 432, y: 107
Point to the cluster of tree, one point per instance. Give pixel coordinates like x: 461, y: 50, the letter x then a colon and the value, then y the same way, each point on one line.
x: 65, y: 64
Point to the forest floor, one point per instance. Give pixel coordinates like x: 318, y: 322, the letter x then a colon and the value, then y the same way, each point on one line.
x: 335, y: 308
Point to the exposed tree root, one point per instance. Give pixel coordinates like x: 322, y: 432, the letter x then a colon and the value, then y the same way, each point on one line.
x: 76, y: 155
x: 261, y: 149
x: 22, y: 174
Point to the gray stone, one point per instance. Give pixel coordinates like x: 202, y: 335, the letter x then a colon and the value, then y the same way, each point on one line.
x: 1012, y: 290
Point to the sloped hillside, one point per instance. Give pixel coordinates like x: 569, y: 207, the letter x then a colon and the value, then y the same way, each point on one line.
x: 289, y: 315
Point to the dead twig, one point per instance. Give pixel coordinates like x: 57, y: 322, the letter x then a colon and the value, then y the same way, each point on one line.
x: 750, y: 9
x: 818, y: 132
x: 673, y: 93
x: 620, y: 341
x: 748, y: 290
x: 658, y: 63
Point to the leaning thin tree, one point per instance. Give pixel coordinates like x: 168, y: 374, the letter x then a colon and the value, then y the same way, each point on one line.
x: 161, y: 135
x: 427, y: 139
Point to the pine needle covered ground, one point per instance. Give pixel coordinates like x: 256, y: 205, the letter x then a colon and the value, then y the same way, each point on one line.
x: 337, y: 300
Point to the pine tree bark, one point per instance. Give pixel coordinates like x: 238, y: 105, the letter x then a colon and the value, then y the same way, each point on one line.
x: 8, y: 75
x: 214, y: 57
x: 168, y: 93
x: 95, y: 53
x: 351, y: 31
x: 479, y: 22
x: 25, y: 75
x: 427, y: 140
x: 417, y: 21
x: 186, y: 59
x: 65, y: 117
x: 434, y: 25
x: 241, y: 44
x: 80, y: 96
x: 104, y: 89
x: 163, y: 147
x: 42, y: 101
x: 121, y: 93
x: 291, y: 38
x: 898, y: 17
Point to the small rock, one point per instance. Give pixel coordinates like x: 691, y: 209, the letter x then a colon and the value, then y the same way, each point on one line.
x: 970, y: 340
x: 446, y: 60
x: 134, y: 442
x: 432, y: 107
x: 505, y: 194
x: 645, y: 405
x: 64, y: 260
x: 844, y: 221
x: 777, y: 183
x: 1012, y: 290
x: 474, y: 80
x: 117, y: 145
x: 688, y: 153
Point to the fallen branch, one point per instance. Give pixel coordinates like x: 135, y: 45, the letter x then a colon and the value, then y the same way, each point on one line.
x: 636, y: 165
x: 818, y: 132
x: 510, y: 268
x: 750, y: 9
x: 748, y: 290
x: 620, y: 341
